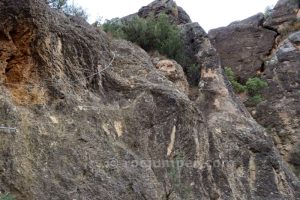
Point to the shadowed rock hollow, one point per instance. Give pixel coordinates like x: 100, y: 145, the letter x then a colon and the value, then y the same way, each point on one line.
x: 91, y: 113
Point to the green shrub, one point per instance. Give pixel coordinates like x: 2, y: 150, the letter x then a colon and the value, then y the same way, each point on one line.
x: 255, y: 85
x: 151, y: 34
x: 68, y: 8
x: 256, y: 99
x: 114, y: 27
x: 237, y: 87
x: 6, y: 197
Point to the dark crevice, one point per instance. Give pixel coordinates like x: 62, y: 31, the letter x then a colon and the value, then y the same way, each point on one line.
x: 271, y: 29
x: 262, y: 68
x: 9, y: 67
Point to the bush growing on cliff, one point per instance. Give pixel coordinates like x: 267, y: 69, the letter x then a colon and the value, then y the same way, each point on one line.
x: 151, y: 34
x: 69, y: 9
x: 6, y: 197
x: 114, y: 27
x: 237, y: 87
x: 57, y: 4
x: 253, y: 86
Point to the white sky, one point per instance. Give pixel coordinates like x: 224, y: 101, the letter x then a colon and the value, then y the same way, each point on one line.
x: 209, y: 13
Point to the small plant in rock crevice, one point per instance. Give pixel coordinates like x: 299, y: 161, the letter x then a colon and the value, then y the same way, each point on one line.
x: 253, y: 86
x: 237, y: 87
x: 6, y: 197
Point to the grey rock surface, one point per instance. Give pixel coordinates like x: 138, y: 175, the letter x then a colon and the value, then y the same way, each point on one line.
x: 284, y: 17
x: 250, y: 49
x: 280, y: 112
x: 169, y: 7
x: 91, y: 113
x: 243, y: 45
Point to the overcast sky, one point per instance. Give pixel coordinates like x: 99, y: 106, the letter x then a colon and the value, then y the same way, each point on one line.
x: 209, y: 13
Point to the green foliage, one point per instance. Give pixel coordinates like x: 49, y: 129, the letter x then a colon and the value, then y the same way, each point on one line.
x: 237, y: 87
x: 256, y: 99
x: 69, y: 9
x: 75, y: 11
x: 6, y: 197
x: 255, y: 85
x: 114, y: 27
x: 150, y: 34
x: 57, y: 4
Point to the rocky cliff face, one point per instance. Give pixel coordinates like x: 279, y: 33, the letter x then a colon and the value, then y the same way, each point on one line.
x: 193, y: 35
x: 86, y: 117
x: 244, y: 45
x: 254, y: 50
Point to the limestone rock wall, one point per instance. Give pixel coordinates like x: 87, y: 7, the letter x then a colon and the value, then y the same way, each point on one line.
x: 251, y: 49
x: 112, y: 126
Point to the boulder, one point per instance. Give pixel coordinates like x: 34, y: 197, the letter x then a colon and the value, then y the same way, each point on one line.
x: 284, y: 18
x: 192, y: 33
x: 243, y: 45
x: 173, y: 71
x: 176, y: 14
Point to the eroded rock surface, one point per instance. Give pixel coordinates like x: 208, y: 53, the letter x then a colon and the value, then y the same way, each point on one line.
x: 107, y: 112
x: 284, y: 18
x: 280, y: 112
x: 173, y: 71
x: 250, y: 49
x: 192, y: 33
x: 244, y: 45
x: 168, y: 7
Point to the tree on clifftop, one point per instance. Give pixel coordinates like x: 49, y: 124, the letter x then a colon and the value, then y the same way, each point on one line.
x: 58, y: 4
x: 67, y: 8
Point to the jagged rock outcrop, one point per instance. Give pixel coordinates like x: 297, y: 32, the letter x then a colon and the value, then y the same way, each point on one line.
x: 244, y: 45
x: 169, y: 7
x: 284, y: 18
x: 280, y: 112
x: 192, y: 33
x: 112, y: 126
x: 277, y: 61
x: 173, y: 71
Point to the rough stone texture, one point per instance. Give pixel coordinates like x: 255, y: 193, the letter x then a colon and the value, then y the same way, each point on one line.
x: 280, y: 112
x: 168, y: 7
x: 173, y: 71
x: 285, y: 17
x: 243, y: 46
x: 277, y: 61
x: 88, y: 137
x: 192, y: 33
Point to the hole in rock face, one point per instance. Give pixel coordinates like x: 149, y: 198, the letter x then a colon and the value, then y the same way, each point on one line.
x: 261, y: 70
